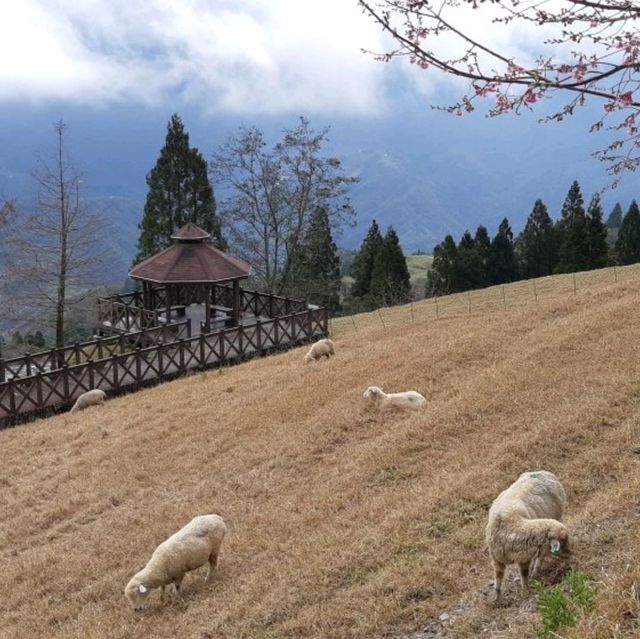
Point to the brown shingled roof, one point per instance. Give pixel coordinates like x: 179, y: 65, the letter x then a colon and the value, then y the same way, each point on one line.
x: 191, y: 260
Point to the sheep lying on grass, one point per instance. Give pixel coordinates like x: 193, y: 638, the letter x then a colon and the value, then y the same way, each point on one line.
x: 322, y: 348
x: 524, y: 525
x: 90, y: 398
x: 411, y: 400
x: 195, y: 545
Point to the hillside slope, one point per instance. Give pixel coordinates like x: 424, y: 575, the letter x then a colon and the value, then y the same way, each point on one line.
x: 342, y: 523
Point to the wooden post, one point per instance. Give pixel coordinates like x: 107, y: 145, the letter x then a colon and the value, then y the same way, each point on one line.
x: 207, y: 310
x: 615, y: 274
x: 202, y: 355
x: 114, y: 367
x: 11, y: 388
x: 258, y: 336
x: 535, y: 290
x: 167, y: 295
x: 469, y: 301
x: 138, y: 366
x: 92, y: 381
x: 160, y: 360
x: 307, y: 328
x: 504, y: 298
x: 2, y: 371
x: 436, y: 298
x: 65, y: 383
x: 76, y: 350
x: 236, y: 303
x: 240, y: 347
x: 100, y: 352
x: 575, y: 287
x: 27, y: 358
x: 383, y: 324
x: 39, y: 389
x: 270, y: 305
x: 181, y: 353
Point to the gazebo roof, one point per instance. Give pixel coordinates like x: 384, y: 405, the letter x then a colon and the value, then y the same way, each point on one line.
x: 191, y: 260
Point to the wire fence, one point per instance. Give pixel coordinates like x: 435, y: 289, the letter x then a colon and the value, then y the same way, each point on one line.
x: 486, y: 299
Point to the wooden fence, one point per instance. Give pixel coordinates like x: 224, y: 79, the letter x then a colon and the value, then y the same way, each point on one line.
x: 47, y: 361
x: 27, y: 396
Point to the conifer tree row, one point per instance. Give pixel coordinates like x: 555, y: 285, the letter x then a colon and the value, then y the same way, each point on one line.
x: 578, y: 241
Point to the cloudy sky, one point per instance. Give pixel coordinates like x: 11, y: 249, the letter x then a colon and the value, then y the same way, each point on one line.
x: 226, y: 56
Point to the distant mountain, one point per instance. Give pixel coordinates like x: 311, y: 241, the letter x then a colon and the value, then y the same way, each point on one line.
x: 425, y: 172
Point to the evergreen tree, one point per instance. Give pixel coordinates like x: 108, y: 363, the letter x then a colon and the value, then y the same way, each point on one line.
x: 598, y: 255
x: 390, y: 281
x: 179, y: 192
x: 537, y: 244
x: 443, y: 276
x: 502, y: 266
x: 363, y: 261
x: 469, y: 263
x: 317, y: 273
x: 614, y: 220
x: 628, y: 243
x: 483, y: 248
x: 573, y: 254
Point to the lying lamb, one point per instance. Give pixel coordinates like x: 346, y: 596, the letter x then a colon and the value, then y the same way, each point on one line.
x: 90, y: 398
x: 524, y: 525
x: 195, y: 545
x: 322, y: 348
x: 384, y: 401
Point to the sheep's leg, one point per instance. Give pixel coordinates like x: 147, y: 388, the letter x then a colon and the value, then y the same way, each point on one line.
x: 499, y: 576
x: 524, y: 575
x: 177, y: 582
x: 213, y: 561
x: 535, y: 566
x: 162, y: 594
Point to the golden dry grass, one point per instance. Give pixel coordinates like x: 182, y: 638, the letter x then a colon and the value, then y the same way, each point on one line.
x: 342, y: 523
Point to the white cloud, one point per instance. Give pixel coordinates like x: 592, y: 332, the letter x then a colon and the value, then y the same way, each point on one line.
x: 266, y: 56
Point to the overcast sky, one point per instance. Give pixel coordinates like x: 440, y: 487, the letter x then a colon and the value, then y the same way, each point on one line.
x: 225, y: 56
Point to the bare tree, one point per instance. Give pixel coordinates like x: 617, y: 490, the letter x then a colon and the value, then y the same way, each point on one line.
x: 58, y: 247
x: 587, y: 49
x: 272, y: 194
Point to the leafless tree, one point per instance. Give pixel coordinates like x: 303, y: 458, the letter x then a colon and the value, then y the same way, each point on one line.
x: 587, y: 49
x: 58, y: 247
x: 272, y: 193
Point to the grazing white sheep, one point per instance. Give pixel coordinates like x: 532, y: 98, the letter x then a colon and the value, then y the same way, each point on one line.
x: 322, y: 348
x: 411, y: 400
x: 90, y: 398
x: 195, y: 545
x: 524, y: 525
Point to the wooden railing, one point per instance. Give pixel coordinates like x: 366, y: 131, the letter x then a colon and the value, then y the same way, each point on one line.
x: 126, y: 309
x: 50, y: 360
x: 21, y: 397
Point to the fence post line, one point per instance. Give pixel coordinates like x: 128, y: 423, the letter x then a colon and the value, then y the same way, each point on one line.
x: 437, y: 311
x: 535, y: 290
x: 615, y: 274
x: 504, y: 297
x: 383, y: 324
x: 2, y: 372
x: 240, y: 340
x: 575, y: 287
x: 12, y: 395
x: 28, y: 362
x: 276, y: 332
x: 307, y: 323
x: 413, y: 321
x: 181, y: 353
x: 258, y: 336
x: 100, y: 353
x: 469, y: 302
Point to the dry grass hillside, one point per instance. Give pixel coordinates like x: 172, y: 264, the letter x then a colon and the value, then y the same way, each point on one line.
x: 342, y: 523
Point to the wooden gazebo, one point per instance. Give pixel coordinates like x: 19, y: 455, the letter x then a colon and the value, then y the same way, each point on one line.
x: 189, y: 269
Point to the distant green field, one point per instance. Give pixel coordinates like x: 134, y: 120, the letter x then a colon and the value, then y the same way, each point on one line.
x: 418, y: 266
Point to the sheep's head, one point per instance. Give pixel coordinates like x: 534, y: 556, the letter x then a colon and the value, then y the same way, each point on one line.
x: 558, y: 541
x: 136, y: 593
x: 308, y: 357
x: 372, y: 393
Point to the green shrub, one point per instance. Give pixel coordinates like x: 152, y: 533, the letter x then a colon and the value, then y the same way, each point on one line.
x: 561, y: 605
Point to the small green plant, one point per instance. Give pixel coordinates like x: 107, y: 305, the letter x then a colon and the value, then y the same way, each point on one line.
x: 561, y: 605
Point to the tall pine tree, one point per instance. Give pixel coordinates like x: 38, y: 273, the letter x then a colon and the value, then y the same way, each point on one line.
x: 483, y: 248
x: 362, y: 267
x: 317, y: 273
x: 472, y: 273
x: 628, y: 242
x: 390, y: 281
x: 615, y: 217
x: 179, y: 192
x: 573, y: 253
x: 537, y: 244
x: 443, y: 276
x: 598, y: 253
x: 502, y: 266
